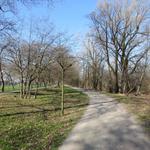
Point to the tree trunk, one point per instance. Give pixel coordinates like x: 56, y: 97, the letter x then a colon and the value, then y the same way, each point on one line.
x: 62, y: 94
x: 2, y: 77
x: 3, y: 82
x: 36, y: 91
x: 58, y: 84
x: 28, y: 91
x: 116, y: 89
x: 140, y: 84
x: 110, y: 85
x: 12, y: 83
x: 22, y: 87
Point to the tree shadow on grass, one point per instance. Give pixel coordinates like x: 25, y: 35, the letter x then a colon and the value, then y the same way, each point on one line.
x: 44, y: 110
x: 41, y: 110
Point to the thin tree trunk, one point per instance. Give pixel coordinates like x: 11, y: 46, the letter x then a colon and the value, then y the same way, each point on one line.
x: 11, y: 80
x: 58, y: 84
x: 3, y: 82
x: 140, y: 84
x: 28, y: 91
x: 110, y: 85
x: 62, y: 94
x: 2, y: 77
x: 45, y: 84
x: 22, y: 87
x: 36, y: 91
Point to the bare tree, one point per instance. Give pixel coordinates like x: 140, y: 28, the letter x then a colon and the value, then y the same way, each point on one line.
x: 120, y: 28
x: 95, y: 59
x: 3, y: 47
x: 65, y: 61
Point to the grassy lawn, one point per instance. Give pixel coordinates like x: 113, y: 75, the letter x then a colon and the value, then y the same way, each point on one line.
x: 138, y: 105
x: 9, y: 88
x: 36, y: 124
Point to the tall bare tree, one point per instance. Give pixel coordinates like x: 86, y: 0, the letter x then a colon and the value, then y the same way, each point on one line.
x: 94, y: 64
x: 121, y: 29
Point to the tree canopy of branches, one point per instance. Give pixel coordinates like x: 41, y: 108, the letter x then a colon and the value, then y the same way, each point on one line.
x: 121, y: 29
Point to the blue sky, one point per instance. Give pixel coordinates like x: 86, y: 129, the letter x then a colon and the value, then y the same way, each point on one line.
x: 71, y: 15
x: 66, y: 15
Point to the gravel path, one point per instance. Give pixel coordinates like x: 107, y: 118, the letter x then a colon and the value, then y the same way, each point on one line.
x: 106, y: 125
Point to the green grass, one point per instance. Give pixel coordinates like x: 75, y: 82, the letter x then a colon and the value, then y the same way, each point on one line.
x: 36, y: 124
x: 9, y: 88
x: 138, y: 105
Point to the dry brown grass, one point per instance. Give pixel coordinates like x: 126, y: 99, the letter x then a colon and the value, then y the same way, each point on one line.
x: 138, y: 105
